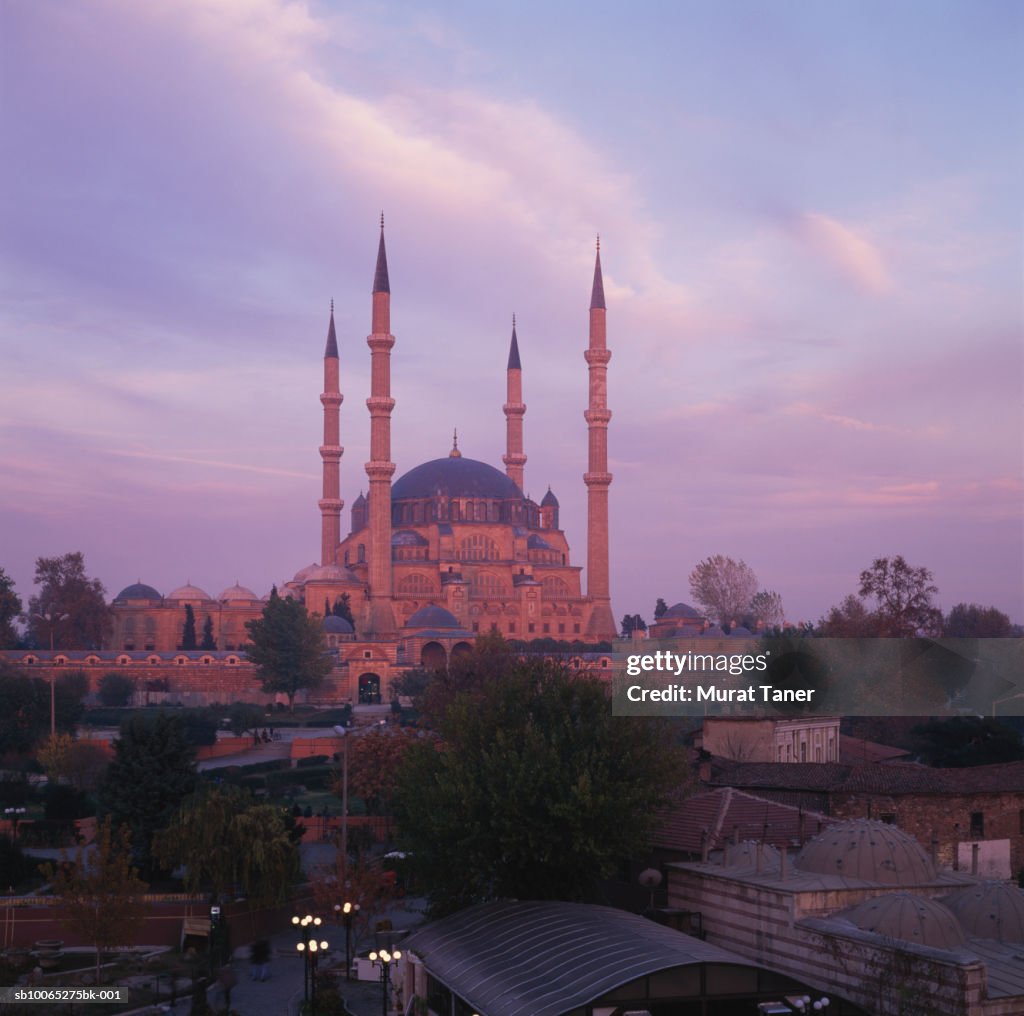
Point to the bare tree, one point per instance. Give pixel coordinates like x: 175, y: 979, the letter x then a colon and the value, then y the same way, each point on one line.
x: 723, y: 587
x: 904, y: 598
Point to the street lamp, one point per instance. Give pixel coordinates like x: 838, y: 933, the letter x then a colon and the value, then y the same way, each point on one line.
x: 803, y: 1003
x: 385, y: 959
x: 347, y: 914
x: 52, y: 620
x: 307, y: 948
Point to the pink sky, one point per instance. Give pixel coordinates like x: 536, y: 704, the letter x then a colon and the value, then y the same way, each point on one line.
x: 811, y: 236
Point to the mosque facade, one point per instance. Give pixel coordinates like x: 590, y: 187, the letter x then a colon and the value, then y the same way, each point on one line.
x: 451, y: 549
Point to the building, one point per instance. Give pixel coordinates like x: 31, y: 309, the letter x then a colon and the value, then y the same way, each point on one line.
x: 450, y: 549
x: 868, y: 918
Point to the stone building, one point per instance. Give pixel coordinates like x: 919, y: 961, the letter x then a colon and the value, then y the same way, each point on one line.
x: 866, y: 917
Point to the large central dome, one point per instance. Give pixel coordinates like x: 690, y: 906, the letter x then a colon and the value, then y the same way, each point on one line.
x: 455, y: 477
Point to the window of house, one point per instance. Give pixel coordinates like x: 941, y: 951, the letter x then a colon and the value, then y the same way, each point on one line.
x: 977, y: 825
x: 561, y: 629
x: 531, y: 627
x: 547, y: 628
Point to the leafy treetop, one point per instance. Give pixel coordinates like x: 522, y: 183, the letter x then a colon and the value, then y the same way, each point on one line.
x: 70, y: 611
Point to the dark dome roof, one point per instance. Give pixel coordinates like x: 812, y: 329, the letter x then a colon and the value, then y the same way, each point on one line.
x: 432, y: 616
x: 681, y: 610
x: 138, y: 591
x: 455, y: 477
x: 549, y: 500
x: 337, y: 625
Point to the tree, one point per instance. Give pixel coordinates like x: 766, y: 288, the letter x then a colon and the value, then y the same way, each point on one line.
x: 101, y: 891
x: 374, y: 760
x: 188, y: 630
x: 967, y: 741
x: 903, y: 596
x: 660, y: 609
x: 533, y: 790
x: 766, y: 611
x: 116, y: 690
x: 974, y: 621
x: 70, y: 610
x: 230, y: 843
x: 152, y: 772
x: 288, y: 648
x: 209, y: 643
x: 25, y: 716
x: 244, y: 716
x: 723, y: 587
x: 10, y: 608
x: 343, y: 608
x: 850, y: 620
x: 632, y: 623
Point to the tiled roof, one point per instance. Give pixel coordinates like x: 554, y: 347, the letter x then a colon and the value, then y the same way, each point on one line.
x: 853, y: 750
x: 894, y: 778
x: 727, y: 813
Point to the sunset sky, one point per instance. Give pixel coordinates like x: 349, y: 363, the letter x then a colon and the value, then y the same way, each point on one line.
x: 811, y: 230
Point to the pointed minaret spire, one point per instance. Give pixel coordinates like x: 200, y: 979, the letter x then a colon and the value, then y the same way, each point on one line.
x: 515, y: 409
x: 332, y: 338
x: 597, y: 478
x: 597, y: 292
x: 379, y: 470
x: 455, y: 453
x: 331, y: 451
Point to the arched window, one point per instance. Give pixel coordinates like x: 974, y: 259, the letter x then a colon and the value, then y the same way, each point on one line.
x: 417, y: 584
x: 489, y: 585
x: 478, y: 548
x: 555, y: 588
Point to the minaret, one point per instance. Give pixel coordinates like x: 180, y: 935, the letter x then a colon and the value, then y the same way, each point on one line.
x: 515, y: 409
x: 331, y: 452
x: 380, y: 468
x: 597, y: 478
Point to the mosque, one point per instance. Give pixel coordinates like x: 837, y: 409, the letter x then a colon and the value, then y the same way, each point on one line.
x: 450, y: 549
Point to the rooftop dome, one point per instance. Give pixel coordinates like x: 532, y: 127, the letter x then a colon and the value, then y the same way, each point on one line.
x: 740, y: 632
x: 337, y: 625
x: 714, y: 632
x: 303, y: 573
x: 237, y: 592
x: 455, y: 477
x: 681, y: 610
x: 549, y: 500
x: 138, y: 591
x: 327, y: 573
x: 909, y: 918
x: 432, y: 616
x: 188, y: 592
x: 990, y: 910
x: 868, y: 850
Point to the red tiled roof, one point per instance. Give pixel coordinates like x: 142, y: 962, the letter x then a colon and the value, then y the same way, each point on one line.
x: 853, y: 750
x: 727, y: 812
x: 895, y: 778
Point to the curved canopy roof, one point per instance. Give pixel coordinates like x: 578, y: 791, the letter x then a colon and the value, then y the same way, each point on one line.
x: 543, y: 959
x: 455, y: 477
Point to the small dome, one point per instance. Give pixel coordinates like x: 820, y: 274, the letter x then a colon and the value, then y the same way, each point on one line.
x: 549, y: 500
x: 337, y: 625
x: 868, y: 850
x: 360, y: 501
x: 990, y: 910
x: 714, y: 632
x: 407, y: 538
x: 138, y: 591
x: 681, y: 610
x: 432, y: 616
x: 536, y: 542
x: 908, y: 918
x: 188, y: 592
x: 237, y: 592
x: 303, y: 573
x: 740, y: 632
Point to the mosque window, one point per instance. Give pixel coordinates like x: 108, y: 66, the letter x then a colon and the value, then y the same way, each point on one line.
x: 362, y: 553
x: 487, y: 584
x: 547, y: 628
x: 977, y: 825
x: 561, y: 629
x: 531, y: 627
x: 511, y: 627
x: 555, y: 588
x: 346, y: 558
x: 478, y: 548
x: 576, y: 629
x: 416, y: 585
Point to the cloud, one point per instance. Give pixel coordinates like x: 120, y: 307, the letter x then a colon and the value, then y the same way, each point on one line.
x: 851, y: 254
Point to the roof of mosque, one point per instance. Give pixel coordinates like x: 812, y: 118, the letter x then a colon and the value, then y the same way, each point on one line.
x: 455, y: 477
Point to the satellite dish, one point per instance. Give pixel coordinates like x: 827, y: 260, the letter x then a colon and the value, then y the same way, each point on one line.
x: 650, y: 878
x: 340, y: 731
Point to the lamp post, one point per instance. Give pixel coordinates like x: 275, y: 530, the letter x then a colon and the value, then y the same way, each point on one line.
x: 803, y: 1003
x: 52, y: 620
x: 385, y: 959
x: 347, y: 913
x: 307, y: 948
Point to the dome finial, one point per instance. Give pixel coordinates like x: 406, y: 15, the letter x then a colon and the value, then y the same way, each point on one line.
x: 382, y: 219
x: 455, y: 453
x: 598, y: 243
